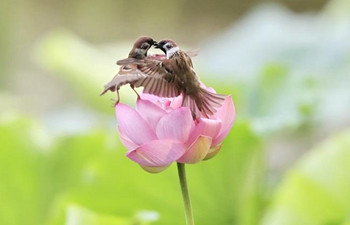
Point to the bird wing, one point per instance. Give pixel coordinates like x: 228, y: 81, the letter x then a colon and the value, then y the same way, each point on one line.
x: 193, y: 52
x: 127, y: 74
x: 158, y: 79
x: 158, y: 87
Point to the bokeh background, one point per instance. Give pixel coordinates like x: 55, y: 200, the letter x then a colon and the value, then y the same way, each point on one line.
x: 286, y: 64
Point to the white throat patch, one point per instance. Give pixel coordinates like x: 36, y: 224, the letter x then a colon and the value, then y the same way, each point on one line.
x: 171, y: 52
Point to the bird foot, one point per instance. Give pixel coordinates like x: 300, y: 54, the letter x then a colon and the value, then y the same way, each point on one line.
x: 115, y: 102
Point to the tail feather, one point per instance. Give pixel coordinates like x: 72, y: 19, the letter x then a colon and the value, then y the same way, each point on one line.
x: 203, y: 103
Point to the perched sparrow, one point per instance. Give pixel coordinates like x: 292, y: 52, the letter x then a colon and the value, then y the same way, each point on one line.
x: 177, y: 70
x: 129, y: 74
x: 153, y: 83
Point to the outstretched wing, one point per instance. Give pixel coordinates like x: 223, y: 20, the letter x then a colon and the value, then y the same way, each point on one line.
x: 158, y: 86
x: 128, y: 74
x: 158, y: 79
x: 193, y: 52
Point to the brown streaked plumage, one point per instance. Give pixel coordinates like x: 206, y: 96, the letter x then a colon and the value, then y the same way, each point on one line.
x: 177, y: 70
x: 129, y: 74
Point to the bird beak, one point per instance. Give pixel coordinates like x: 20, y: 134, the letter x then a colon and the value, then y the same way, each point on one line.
x: 156, y: 45
x: 160, y: 45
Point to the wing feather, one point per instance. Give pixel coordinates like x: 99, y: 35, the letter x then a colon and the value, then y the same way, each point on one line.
x: 193, y: 52
x: 127, y: 75
x: 156, y: 78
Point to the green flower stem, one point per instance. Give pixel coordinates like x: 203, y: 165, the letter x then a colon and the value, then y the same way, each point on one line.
x: 185, y: 195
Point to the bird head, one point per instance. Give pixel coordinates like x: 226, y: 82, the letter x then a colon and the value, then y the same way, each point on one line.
x: 141, y: 47
x: 169, y: 47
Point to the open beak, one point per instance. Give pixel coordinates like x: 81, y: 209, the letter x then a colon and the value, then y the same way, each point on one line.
x: 156, y: 45
x: 160, y: 45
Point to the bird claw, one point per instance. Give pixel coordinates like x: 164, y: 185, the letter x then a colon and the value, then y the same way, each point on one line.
x: 115, y: 102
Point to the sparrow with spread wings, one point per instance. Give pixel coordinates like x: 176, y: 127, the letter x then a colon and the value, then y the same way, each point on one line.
x: 129, y: 73
x: 177, y: 70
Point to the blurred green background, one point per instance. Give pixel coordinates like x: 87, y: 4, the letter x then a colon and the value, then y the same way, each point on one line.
x: 286, y: 64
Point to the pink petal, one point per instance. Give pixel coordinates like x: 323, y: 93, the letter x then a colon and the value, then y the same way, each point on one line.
x: 133, y: 125
x: 150, y: 112
x: 226, y: 114
x: 161, y: 102
x: 205, y: 127
x: 176, y: 125
x: 157, y: 153
x: 155, y: 169
x: 213, y: 152
x: 125, y: 140
x: 197, y: 151
x: 149, y: 97
x: 176, y: 102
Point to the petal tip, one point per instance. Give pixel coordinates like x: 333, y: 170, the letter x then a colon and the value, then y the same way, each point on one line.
x: 154, y: 169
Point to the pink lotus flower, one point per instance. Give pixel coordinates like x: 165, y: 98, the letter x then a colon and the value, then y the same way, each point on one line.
x: 159, y: 131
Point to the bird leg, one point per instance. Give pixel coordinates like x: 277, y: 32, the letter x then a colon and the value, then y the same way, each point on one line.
x: 116, y: 101
x: 133, y: 88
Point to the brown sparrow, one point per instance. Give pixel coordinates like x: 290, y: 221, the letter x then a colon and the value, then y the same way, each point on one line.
x: 177, y: 70
x: 129, y: 74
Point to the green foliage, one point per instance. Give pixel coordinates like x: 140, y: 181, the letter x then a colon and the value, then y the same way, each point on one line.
x: 280, y: 99
x: 52, y: 182
x: 77, y: 215
x: 86, y: 178
x: 80, y: 65
x: 21, y: 173
x: 317, y: 190
x: 228, y: 189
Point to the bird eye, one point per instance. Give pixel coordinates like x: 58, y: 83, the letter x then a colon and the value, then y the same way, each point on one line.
x: 144, y: 46
x: 168, y: 46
